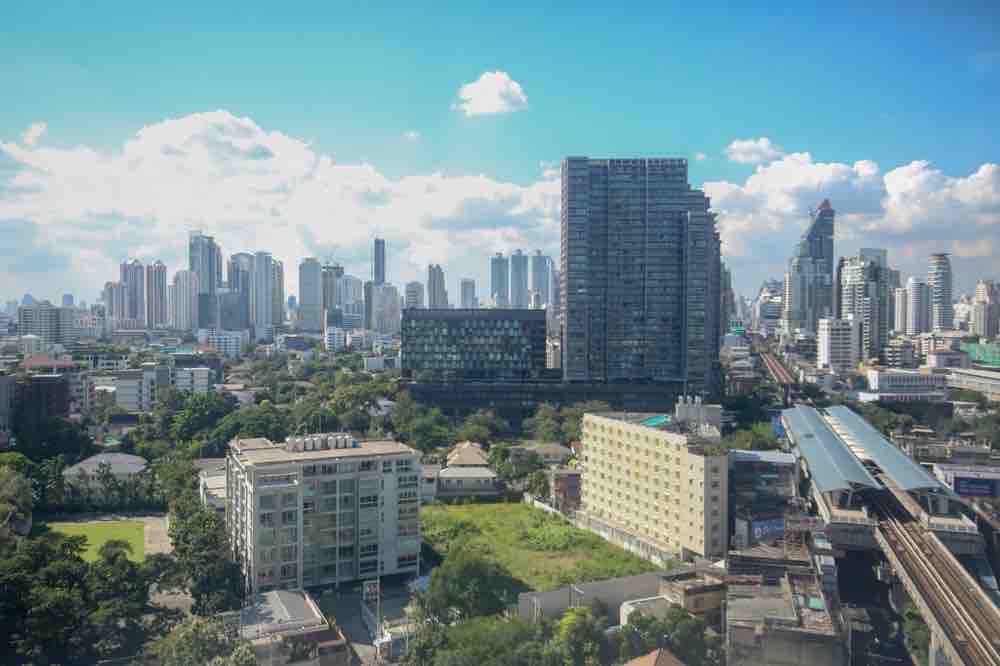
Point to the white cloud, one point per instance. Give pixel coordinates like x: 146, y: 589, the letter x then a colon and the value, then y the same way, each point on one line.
x: 411, y: 135
x: 700, y: 157
x: 34, y: 132
x: 255, y: 188
x: 753, y: 151
x: 492, y: 92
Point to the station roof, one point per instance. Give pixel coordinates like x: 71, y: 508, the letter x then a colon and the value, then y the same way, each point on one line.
x: 901, y: 468
x: 832, y: 464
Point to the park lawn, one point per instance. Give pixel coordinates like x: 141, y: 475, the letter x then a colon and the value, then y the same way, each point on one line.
x: 99, y: 532
x: 542, y: 551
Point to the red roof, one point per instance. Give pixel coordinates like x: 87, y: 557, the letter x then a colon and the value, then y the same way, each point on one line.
x: 40, y: 361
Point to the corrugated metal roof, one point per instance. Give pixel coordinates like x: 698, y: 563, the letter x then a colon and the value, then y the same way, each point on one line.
x: 831, y: 463
x: 901, y: 468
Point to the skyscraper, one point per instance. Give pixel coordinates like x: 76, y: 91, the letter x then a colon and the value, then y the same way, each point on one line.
x: 500, y: 280
x: 54, y: 325
x: 540, y: 272
x: 986, y: 309
x: 900, y: 304
x: 939, y: 284
x: 437, y: 295
x: 184, y: 301
x: 862, y: 292
x: 414, y: 296
x: 378, y: 261
x: 332, y: 274
x: 727, y: 311
x: 809, y: 279
x: 278, y: 316
x: 468, y: 289
x: 239, y: 276
x: 311, y: 317
x: 917, y: 307
x: 639, y: 273
x: 518, y: 280
x: 203, y: 261
x: 264, y: 273
x: 133, y: 279
x: 156, y: 295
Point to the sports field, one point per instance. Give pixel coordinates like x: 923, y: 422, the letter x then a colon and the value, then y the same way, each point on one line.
x: 99, y: 532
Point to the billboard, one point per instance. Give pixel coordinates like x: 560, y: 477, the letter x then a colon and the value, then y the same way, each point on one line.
x: 768, y: 529
x: 969, y: 487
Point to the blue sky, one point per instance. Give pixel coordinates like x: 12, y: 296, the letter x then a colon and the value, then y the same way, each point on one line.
x: 892, y: 86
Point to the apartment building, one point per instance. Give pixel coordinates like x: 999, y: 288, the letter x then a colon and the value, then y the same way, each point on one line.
x: 655, y: 487
x: 839, y: 345
x: 321, y: 510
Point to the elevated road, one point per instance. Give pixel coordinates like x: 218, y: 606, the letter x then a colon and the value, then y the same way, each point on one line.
x: 779, y: 375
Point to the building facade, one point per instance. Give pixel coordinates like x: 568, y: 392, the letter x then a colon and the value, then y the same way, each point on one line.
x: 862, y: 292
x: 918, y: 307
x: 437, y: 294
x: 839, y: 344
x: 809, y: 279
x: 322, y: 510
x: 468, y: 299
x: 639, y: 274
x: 414, y: 296
x: 500, y: 281
x: 939, y: 289
x: 540, y: 276
x: 484, y: 344
x: 156, y: 295
x: 53, y: 325
x: 204, y: 260
x: 519, y: 280
x: 311, y: 313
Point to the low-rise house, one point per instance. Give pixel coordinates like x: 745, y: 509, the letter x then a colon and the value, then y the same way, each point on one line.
x: 550, y: 454
x: 123, y: 466
x: 564, y: 488
x: 474, y: 482
x: 658, y: 657
x: 467, y: 454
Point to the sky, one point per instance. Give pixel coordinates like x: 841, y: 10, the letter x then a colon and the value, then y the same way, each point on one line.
x: 306, y: 129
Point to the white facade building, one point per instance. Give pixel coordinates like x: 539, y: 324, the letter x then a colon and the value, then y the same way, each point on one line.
x: 311, y: 312
x: 335, y: 339
x: 228, y: 343
x: 904, y: 386
x: 195, y: 380
x: 183, y: 297
x: 838, y: 345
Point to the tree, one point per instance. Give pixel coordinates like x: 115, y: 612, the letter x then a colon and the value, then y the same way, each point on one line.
x: 201, y: 641
x: 573, y: 417
x: 546, y: 424
x: 16, y: 500
x: 483, y: 426
x: 581, y: 638
x: 470, y: 583
x: 202, y: 551
x: 538, y: 484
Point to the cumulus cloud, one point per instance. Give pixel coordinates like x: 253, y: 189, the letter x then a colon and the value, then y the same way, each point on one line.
x: 255, y: 188
x: 911, y: 210
x: 411, y: 135
x: 34, y: 132
x: 753, y: 151
x: 700, y: 157
x: 492, y: 92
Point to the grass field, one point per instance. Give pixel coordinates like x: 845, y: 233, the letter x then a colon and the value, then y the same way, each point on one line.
x: 100, y: 532
x: 541, y: 551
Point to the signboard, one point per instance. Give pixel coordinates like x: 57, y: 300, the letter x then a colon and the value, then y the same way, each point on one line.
x: 768, y: 530
x: 975, y: 487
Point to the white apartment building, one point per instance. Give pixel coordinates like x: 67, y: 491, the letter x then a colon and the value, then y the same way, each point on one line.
x: 654, y: 489
x: 904, y: 386
x: 134, y: 390
x: 838, y: 345
x: 228, y: 343
x: 335, y: 339
x: 321, y: 510
x: 195, y: 380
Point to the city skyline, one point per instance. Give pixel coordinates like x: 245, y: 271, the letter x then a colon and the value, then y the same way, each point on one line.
x: 469, y: 167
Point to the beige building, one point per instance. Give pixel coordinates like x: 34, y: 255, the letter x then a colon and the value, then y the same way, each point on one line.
x: 321, y: 510
x: 654, y: 487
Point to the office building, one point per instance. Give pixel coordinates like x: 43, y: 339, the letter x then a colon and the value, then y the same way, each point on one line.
x: 263, y: 296
x: 332, y: 290
x: 904, y: 386
x: 239, y: 279
x: 986, y: 310
x: 278, y: 304
x: 40, y: 398
x: 156, y: 295
x: 437, y: 295
x: 184, y: 301
x: 809, y: 280
x: 385, y: 310
x: 540, y: 276
x: 939, y: 288
x: 653, y: 487
x: 639, y: 275
x: 474, y: 345
x: 378, y: 261
x: 900, y: 353
x: 8, y: 390
x: 500, y: 281
x: 228, y: 343
x: 335, y: 339
x: 310, y: 306
x: 900, y: 305
x: 918, y: 310
x: 414, y: 297
x: 204, y: 260
x: 323, y: 509
x: 53, y: 325
x: 518, y: 280
x: 839, y: 344
x: 468, y: 291
x: 133, y: 280
x: 862, y: 292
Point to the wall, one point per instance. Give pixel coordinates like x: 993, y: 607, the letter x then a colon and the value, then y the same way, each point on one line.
x: 613, y: 592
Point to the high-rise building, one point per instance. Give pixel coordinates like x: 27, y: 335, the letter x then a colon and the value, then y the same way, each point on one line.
x: 378, y: 261
x: 809, y: 281
x: 414, y: 297
x: 917, y: 307
x: 184, y: 301
x: 278, y: 316
x: 727, y: 308
x: 114, y: 301
x: 332, y: 274
x: 518, y: 280
x: 133, y: 279
x: 437, y: 295
x: 639, y: 273
x: 862, y: 292
x: 264, y: 295
x: 204, y: 261
x: 311, y: 314
x: 321, y: 510
x: 350, y: 290
x: 839, y: 344
x: 900, y: 303
x: 500, y: 280
x: 156, y: 295
x: 939, y: 285
x: 986, y: 309
x: 53, y: 325
x: 67, y: 300
x: 385, y: 310
x: 468, y: 289
x: 239, y: 275
x: 541, y: 266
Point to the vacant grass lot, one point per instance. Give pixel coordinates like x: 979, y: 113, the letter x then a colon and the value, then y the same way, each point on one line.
x: 99, y: 532
x: 541, y: 551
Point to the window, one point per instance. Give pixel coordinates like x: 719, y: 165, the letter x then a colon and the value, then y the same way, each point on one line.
x: 347, y: 486
x: 290, y: 535
x: 369, y: 549
x: 366, y: 466
x: 328, y: 469
x: 289, y: 570
x: 267, y: 555
x: 368, y: 566
x: 264, y: 574
x: 267, y: 501
x: 387, y: 467
x: 328, y: 487
x: 406, y: 561
x: 309, y: 470
x: 308, y: 506
x: 289, y: 517
x: 289, y: 499
x: 289, y: 553
x: 369, y: 501
x: 266, y: 519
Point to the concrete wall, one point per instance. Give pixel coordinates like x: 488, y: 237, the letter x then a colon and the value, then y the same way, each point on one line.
x: 613, y: 592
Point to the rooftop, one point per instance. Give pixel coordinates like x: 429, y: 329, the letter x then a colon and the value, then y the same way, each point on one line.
x: 279, y: 612
x: 774, y: 457
x: 261, y: 451
x: 467, y: 473
x: 832, y: 464
x: 467, y: 454
x: 658, y: 657
x: 42, y: 361
x: 121, y: 463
